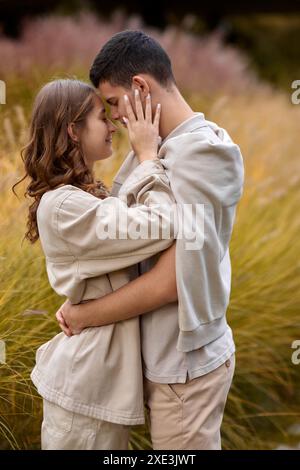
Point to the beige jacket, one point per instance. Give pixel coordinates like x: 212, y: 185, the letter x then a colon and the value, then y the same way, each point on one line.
x: 98, y: 373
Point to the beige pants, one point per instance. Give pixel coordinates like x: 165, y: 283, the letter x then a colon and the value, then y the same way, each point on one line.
x: 189, y: 415
x: 65, y: 430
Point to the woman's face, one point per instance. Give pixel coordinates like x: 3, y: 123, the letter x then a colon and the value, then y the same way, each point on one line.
x: 96, y: 135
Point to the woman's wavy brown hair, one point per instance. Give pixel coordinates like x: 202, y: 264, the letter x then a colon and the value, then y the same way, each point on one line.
x: 51, y: 158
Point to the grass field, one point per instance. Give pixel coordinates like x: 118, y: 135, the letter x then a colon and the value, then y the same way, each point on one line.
x: 265, y: 301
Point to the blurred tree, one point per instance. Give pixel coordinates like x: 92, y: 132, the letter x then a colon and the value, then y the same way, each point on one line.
x: 157, y: 14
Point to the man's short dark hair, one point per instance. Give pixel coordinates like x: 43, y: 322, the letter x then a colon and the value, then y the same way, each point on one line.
x: 127, y: 54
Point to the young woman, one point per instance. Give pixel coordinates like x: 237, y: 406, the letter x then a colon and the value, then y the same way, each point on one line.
x: 91, y: 383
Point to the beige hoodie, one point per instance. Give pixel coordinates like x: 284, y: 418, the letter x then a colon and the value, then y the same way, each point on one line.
x: 204, y: 166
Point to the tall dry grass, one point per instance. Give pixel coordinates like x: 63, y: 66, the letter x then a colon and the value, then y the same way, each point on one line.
x: 265, y: 301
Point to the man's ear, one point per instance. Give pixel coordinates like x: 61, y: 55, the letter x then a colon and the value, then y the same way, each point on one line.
x: 141, y: 84
x: 72, y: 131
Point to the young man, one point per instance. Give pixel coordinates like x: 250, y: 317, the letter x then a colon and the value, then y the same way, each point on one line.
x: 187, y: 346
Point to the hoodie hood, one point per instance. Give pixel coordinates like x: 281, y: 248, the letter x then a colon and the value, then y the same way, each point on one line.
x: 208, y: 151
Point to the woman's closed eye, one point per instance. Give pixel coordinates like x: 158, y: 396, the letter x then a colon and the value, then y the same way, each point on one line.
x: 104, y: 118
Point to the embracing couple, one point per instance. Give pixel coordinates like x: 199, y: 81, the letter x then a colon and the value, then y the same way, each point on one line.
x: 144, y: 326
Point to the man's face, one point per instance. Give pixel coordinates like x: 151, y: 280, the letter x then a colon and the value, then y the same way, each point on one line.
x: 114, y: 96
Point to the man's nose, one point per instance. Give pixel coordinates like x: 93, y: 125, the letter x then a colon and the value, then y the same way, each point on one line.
x: 112, y: 128
x: 115, y: 115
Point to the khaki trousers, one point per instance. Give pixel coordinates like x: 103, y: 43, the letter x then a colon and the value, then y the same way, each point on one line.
x: 189, y: 415
x: 65, y: 430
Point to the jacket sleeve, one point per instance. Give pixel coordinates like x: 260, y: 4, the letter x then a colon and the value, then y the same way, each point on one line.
x: 105, y: 235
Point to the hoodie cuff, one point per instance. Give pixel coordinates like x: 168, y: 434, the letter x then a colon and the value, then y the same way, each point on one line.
x: 144, y: 169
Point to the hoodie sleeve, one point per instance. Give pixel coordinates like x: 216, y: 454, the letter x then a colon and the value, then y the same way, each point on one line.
x: 205, y: 172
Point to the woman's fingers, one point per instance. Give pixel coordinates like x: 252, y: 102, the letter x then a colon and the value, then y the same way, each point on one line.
x: 157, y: 117
x: 143, y: 131
x: 138, y: 105
x: 67, y: 331
x: 129, y: 110
x: 140, y: 116
x: 60, y: 318
x: 62, y: 323
x: 148, y: 111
